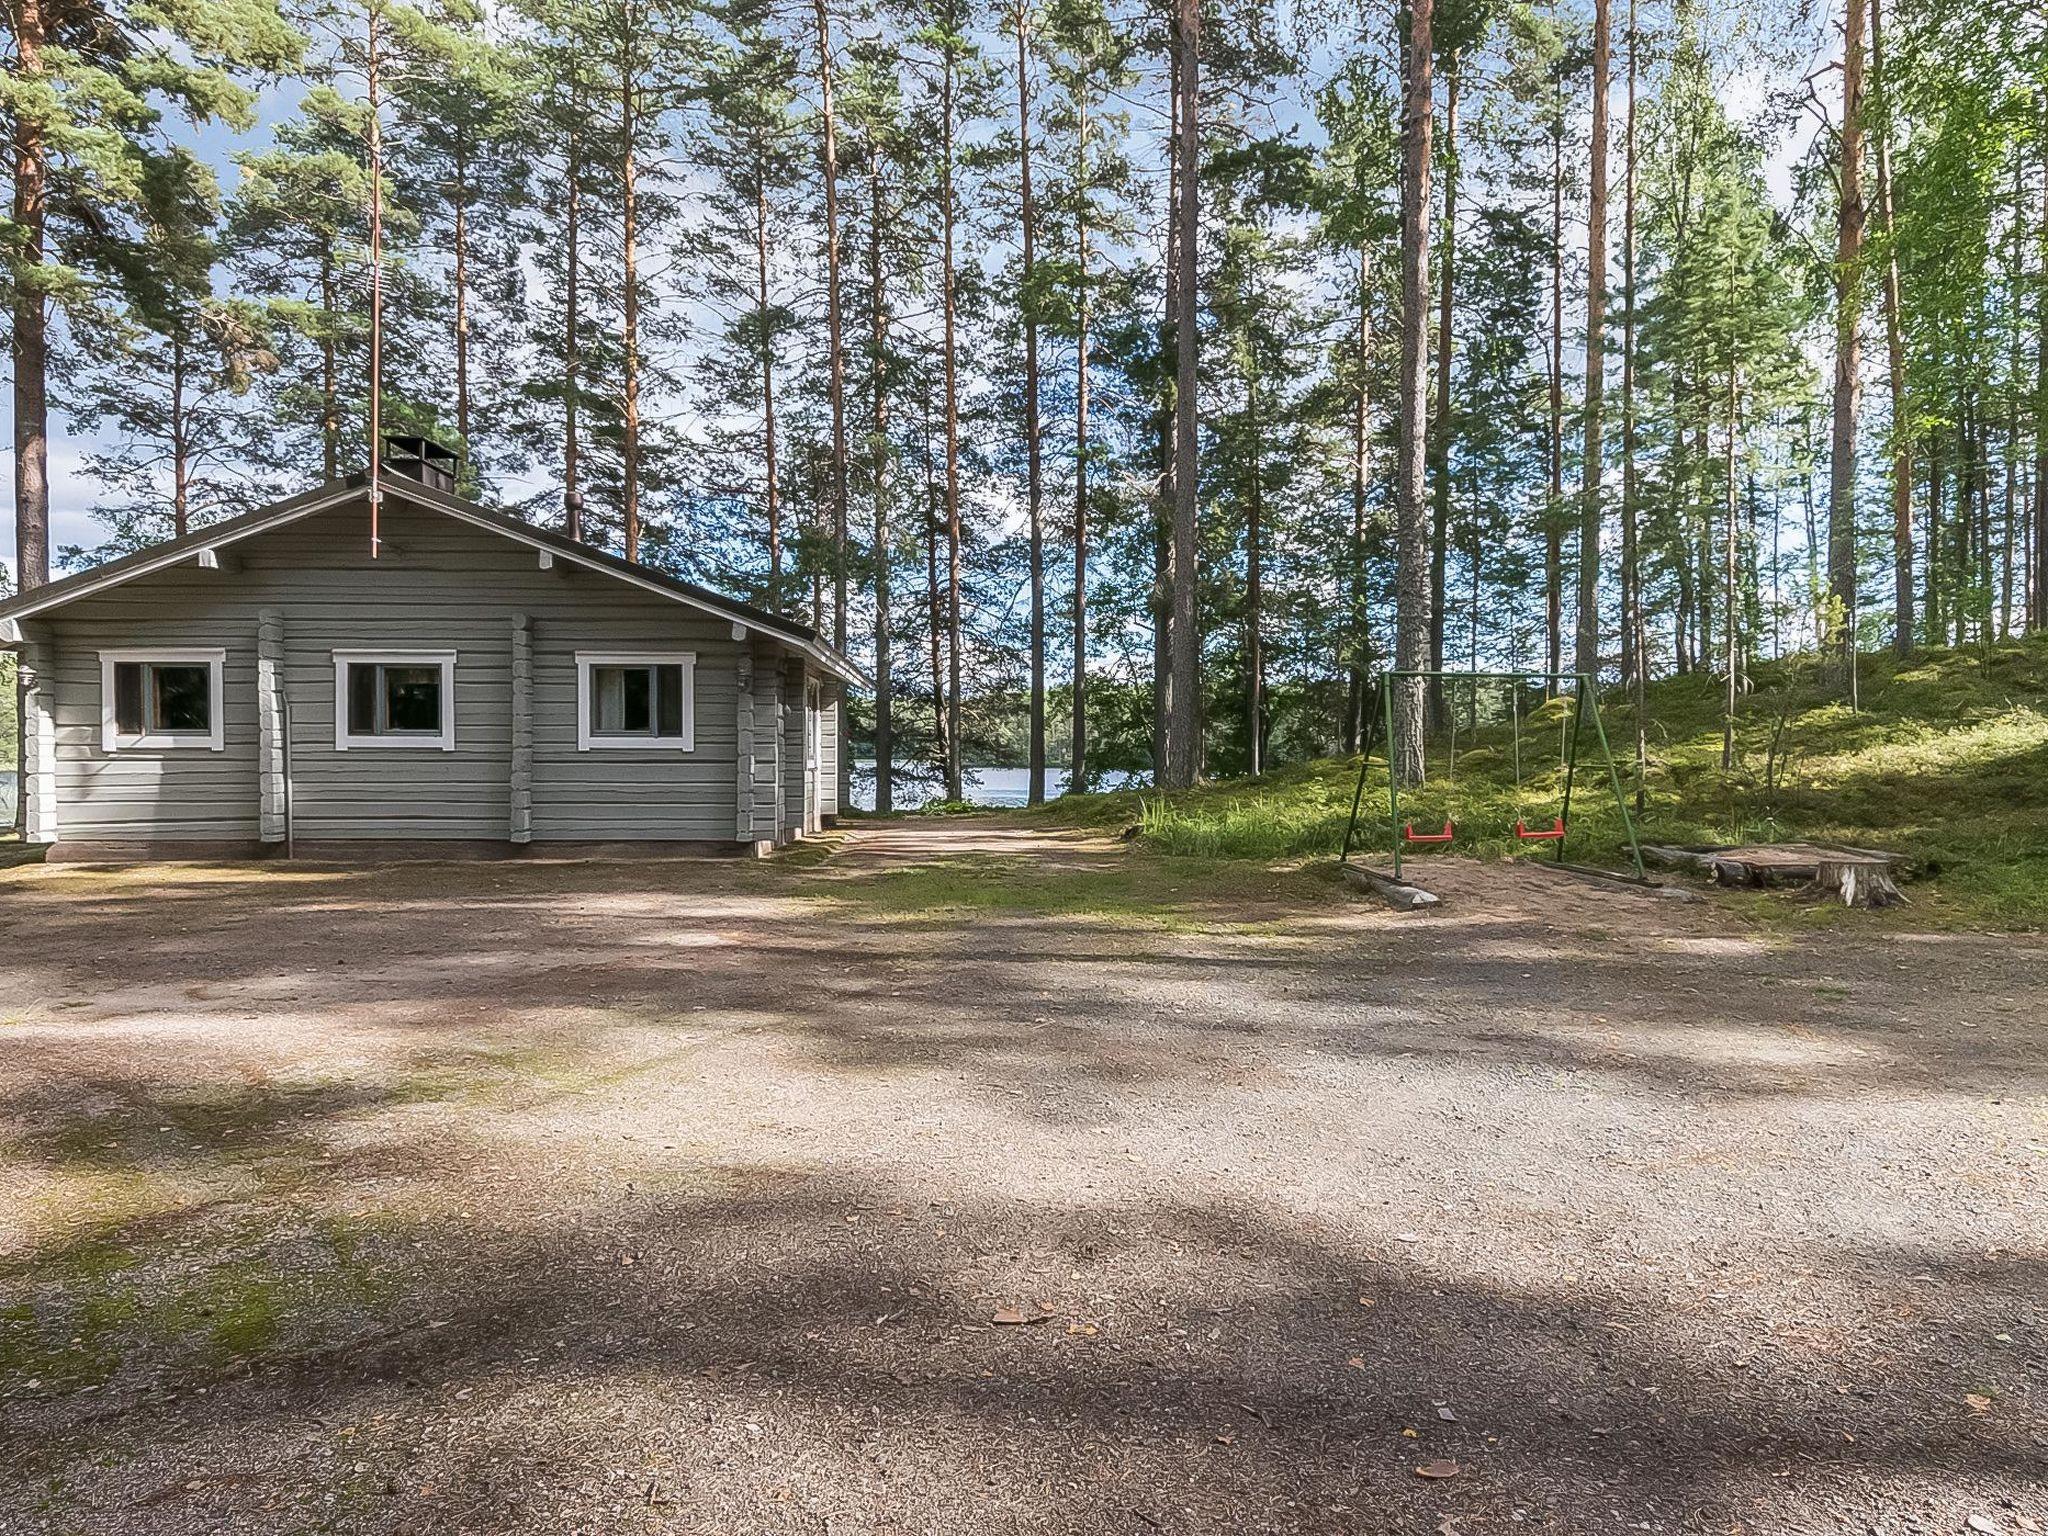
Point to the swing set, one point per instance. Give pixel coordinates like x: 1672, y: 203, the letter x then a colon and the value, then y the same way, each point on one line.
x: 1380, y: 718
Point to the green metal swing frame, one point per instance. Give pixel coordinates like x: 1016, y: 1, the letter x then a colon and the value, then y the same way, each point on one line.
x: 1585, y: 702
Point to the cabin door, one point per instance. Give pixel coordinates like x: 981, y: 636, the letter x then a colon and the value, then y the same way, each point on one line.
x: 812, y: 732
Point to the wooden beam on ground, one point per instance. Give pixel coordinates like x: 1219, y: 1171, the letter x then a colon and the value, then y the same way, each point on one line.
x: 1394, y: 892
x: 1611, y: 877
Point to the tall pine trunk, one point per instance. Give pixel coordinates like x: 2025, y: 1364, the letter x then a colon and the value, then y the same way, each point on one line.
x: 1254, y: 586
x: 769, y: 452
x: 330, y: 370
x: 1034, y: 489
x: 1933, y: 590
x: 1841, y: 639
x: 1360, y: 637
x: 181, y: 438
x: 461, y: 275
x: 1440, y: 434
x: 374, y: 115
x: 31, y: 319
x: 1586, y: 649
x: 835, y: 333
x: 835, y: 344
x: 572, y: 364
x: 1895, y: 358
x: 1411, y: 553
x: 935, y: 611
x: 1162, y: 506
x: 31, y: 313
x: 629, y: 223
x: 878, y: 442
x: 2038, y: 615
x: 1634, y: 640
x: 1184, y: 715
x: 949, y: 303
x: 1077, y: 767
x: 1731, y: 627
x: 1553, y: 527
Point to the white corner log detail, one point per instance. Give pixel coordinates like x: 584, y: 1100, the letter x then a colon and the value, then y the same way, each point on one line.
x: 270, y: 726
x: 39, y: 743
x: 521, y: 828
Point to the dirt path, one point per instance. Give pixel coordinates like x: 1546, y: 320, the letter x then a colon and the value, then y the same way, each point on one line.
x: 561, y: 1196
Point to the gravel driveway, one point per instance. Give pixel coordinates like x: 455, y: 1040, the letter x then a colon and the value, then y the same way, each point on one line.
x: 970, y: 1179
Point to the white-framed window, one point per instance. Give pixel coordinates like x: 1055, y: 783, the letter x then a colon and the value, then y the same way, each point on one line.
x: 636, y: 699
x: 394, y: 699
x: 162, y: 698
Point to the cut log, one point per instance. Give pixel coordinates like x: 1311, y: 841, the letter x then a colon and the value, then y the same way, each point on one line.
x: 1394, y: 892
x: 1698, y: 859
x: 1861, y: 877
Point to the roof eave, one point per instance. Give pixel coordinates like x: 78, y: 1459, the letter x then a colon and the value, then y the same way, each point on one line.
x: 26, y: 605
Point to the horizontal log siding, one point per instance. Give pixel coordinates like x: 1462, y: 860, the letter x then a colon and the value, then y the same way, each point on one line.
x: 439, y: 586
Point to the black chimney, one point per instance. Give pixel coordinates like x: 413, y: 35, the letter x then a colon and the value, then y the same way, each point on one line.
x: 424, y: 460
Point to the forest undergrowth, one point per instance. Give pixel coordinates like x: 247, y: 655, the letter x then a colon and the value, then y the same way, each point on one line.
x: 1945, y: 760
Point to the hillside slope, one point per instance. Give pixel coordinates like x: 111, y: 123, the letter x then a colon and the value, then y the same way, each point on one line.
x: 1946, y: 762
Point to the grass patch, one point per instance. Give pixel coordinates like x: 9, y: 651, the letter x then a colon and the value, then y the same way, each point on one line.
x: 1946, y: 762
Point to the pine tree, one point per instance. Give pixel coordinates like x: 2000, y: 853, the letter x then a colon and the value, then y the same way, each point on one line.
x: 1586, y: 651
x: 168, y: 379
x: 1847, y: 395
x: 456, y: 114
x: 1183, y: 712
x: 750, y: 142
x: 87, y: 92
x: 1089, y: 62
x: 297, y: 236
x: 1411, y: 581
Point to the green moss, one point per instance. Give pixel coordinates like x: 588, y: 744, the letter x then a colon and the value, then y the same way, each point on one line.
x: 245, y: 1308
x: 96, y: 1308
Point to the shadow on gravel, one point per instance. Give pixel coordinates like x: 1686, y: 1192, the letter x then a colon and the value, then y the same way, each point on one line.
x: 1725, y: 1017
x: 1199, y: 1369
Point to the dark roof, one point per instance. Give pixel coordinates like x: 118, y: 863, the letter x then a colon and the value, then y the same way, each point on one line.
x: 340, y: 492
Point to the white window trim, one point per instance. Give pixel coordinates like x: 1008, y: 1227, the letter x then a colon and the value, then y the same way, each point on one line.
x: 214, y: 740
x: 686, y: 742
x: 345, y: 740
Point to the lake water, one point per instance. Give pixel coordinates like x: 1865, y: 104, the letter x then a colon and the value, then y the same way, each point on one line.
x: 984, y: 786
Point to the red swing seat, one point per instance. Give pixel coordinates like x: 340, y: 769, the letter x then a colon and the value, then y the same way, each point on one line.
x: 1410, y: 835
x: 1550, y: 834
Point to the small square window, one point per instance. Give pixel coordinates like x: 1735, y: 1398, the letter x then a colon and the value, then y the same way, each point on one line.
x: 394, y: 699
x: 635, y: 701
x: 161, y: 699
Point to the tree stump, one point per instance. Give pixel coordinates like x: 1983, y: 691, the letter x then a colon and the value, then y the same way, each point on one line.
x: 1860, y: 879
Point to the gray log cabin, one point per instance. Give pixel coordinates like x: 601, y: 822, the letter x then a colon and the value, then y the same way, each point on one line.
x: 264, y: 684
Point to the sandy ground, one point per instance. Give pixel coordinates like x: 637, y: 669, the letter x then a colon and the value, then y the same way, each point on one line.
x: 885, y: 1192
